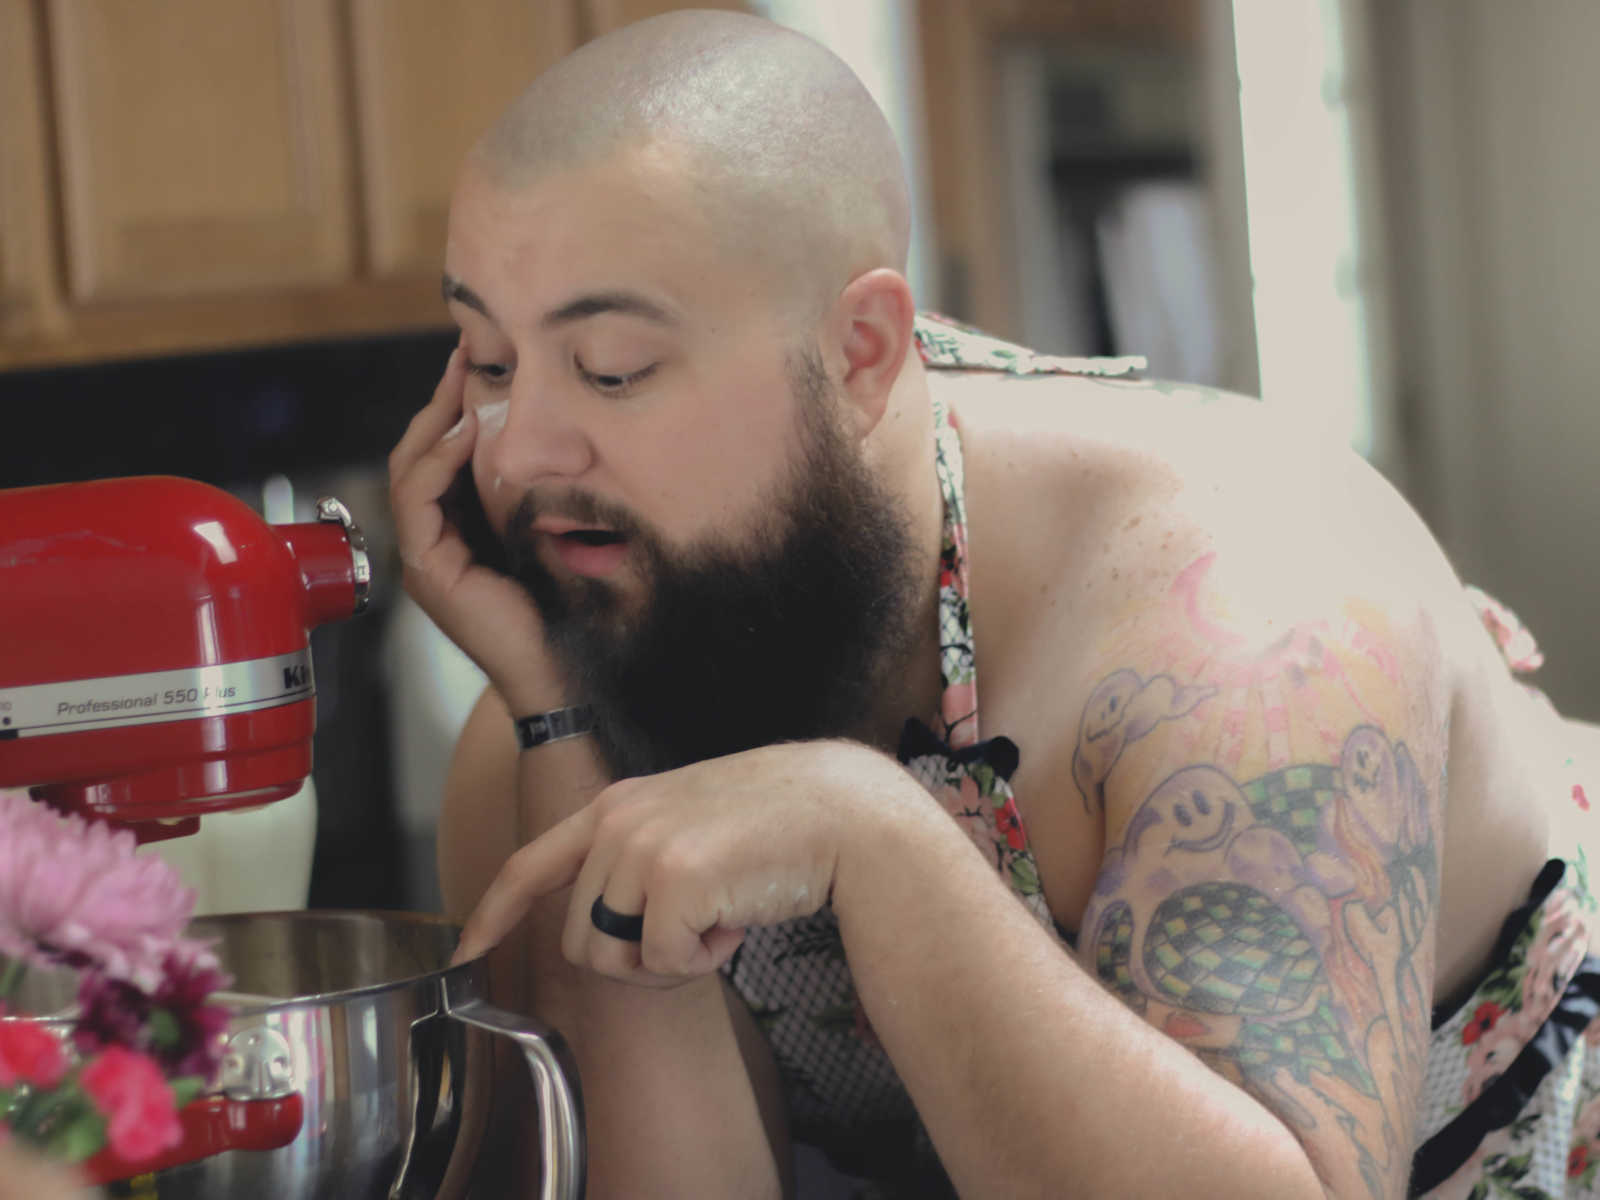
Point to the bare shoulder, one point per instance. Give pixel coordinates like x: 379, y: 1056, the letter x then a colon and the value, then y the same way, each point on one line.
x: 1088, y: 499
x: 1103, y: 515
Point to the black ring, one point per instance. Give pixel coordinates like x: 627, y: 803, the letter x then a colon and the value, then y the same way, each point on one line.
x: 608, y: 921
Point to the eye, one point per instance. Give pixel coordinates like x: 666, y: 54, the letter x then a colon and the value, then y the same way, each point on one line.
x: 493, y: 374
x: 612, y: 384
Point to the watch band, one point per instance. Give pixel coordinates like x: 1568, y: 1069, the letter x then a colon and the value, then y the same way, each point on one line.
x: 555, y: 725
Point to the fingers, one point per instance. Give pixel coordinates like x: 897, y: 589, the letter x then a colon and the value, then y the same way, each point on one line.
x: 624, y: 849
x: 631, y: 867
x: 423, y: 466
x: 546, y: 864
x: 613, y: 870
x: 435, y: 418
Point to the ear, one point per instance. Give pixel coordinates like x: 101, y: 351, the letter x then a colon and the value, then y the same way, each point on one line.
x: 873, y: 327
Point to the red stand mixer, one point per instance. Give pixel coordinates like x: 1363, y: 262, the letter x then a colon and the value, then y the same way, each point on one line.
x: 154, y: 657
x: 155, y: 667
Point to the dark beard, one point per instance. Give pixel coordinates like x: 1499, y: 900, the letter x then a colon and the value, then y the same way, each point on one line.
x: 787, y: 637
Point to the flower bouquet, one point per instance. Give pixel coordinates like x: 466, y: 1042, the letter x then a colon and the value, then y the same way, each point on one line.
x: 102, y: 1083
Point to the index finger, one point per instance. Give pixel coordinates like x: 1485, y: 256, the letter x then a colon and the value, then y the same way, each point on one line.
x: 433, y: 419
x: 548, y: 863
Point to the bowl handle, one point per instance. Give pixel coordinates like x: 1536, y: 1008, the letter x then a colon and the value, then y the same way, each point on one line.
x: 555, y: 1083
x: 211, y: 1124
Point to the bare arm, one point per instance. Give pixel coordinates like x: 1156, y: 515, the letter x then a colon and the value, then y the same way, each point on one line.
x: 673, y: 1107
x: 670, y: 1106
x: 1266, y: 906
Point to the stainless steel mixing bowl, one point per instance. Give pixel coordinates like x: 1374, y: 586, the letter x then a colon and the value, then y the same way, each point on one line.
x: 389, y: 1051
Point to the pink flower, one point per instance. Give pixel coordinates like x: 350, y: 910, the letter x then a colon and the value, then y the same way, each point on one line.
x: 30, y: 1054
x: 74, y: 892
x: 128, y: 1089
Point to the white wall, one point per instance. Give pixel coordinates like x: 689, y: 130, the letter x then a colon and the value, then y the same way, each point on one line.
x: 1493, y: 177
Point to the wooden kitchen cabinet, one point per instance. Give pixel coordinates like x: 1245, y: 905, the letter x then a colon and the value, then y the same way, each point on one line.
x: 193, y: 175
x: 967, y: 168
x: 429, y: 78
x: 204, y: 147
x: 30, y: 301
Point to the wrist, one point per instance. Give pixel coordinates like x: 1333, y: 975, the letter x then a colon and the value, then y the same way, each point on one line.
x: 887, y: 807
x: 553, y: 725
x: 531, y: 691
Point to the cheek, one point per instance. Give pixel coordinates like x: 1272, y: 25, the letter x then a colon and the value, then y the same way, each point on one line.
x: 491, y: 487
x: 491, y: 414
x: 492, y: 419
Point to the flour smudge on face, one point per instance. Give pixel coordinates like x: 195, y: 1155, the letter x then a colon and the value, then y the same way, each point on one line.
x: 492, y: 417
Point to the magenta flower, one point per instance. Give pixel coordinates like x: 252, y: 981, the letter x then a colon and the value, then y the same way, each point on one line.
x: 74, y: 892
x: 174, y: 1025
x: 110, y: 1013
x: 198, y: 1028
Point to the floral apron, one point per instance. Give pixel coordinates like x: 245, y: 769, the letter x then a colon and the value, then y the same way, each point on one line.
x: 1511, y: 1101
x: 842, y: 1091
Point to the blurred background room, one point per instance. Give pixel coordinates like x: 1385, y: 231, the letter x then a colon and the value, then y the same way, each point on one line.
x: 222, y: 227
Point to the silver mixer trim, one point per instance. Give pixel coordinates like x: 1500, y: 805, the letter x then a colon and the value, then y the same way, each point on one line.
x: 156, y: 696
x: 331, y: 508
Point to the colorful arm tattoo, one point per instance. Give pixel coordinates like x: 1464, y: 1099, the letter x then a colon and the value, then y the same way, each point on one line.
x: 1276, y: 920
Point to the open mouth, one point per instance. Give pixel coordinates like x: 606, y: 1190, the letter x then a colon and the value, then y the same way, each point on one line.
x: 591, y: 552
x: 592, y: 537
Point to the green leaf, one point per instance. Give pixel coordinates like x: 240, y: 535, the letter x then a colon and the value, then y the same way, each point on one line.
x: 1520, y: 1127
x: 185, y: 1088
x: 78, y: 1138
x: 11, y: 975
x: 1519, y: 1164
x: 1025, y: 875
x: 165, y: 1031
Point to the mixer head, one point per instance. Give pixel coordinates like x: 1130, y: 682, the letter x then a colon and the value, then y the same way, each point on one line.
x: 155, y: 661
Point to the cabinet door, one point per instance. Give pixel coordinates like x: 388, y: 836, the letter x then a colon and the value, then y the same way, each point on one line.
x: 204, y: 147
x: 602, y: 16
x: 430, y: 78
x: 29, y: 296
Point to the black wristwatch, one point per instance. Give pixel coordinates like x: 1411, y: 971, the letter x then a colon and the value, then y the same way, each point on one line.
x: 555, y: 725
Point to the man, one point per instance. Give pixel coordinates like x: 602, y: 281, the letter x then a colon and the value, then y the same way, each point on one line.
x: 1253, y: 790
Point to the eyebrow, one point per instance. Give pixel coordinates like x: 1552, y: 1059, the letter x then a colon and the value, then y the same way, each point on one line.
x: 626, y: 303
x: 453, y: 289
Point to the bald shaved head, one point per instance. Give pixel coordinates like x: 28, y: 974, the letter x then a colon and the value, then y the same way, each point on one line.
x: 794, y: 162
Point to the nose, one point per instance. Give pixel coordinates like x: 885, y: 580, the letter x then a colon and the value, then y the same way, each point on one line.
x: 537, y: 436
